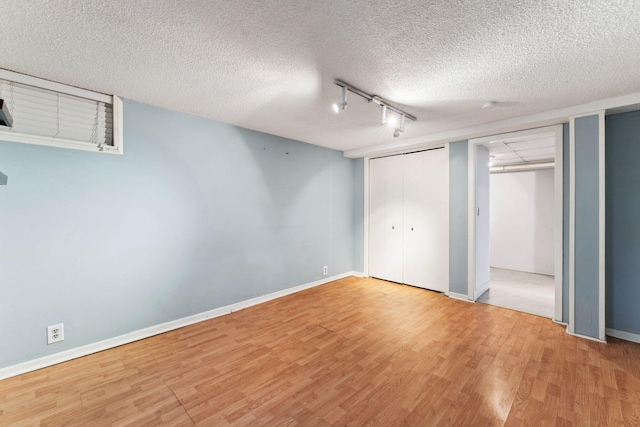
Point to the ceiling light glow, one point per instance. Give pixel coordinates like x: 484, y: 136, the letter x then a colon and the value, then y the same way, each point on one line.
x: 337, y: 107
x: 385, y: 118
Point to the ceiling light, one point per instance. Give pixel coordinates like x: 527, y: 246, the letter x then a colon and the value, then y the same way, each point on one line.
x: 396, y: 132
x: 337, y: 107
x: 5, y: 115
x: 391, y: 121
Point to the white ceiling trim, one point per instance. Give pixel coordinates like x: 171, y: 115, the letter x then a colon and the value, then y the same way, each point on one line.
x: 547, y: 118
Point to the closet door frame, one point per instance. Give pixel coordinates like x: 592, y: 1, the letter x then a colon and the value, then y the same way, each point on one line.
x: 366, y: 171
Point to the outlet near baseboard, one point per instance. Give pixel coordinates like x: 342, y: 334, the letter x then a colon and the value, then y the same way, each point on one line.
x: 325, y: 270
x: 55, y: 333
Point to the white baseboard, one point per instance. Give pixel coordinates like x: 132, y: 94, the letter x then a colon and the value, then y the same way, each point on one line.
x: 73, y: 353
x: 586, y: 337
x: 629, y: 336
x: 482, y: 289
x: 461, y: 297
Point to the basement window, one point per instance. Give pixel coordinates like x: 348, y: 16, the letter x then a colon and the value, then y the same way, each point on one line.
x: 53, y: 114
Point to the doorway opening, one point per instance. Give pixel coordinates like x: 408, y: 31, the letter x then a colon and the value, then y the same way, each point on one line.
x: 517, y: 221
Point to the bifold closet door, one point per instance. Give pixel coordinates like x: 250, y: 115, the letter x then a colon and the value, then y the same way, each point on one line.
x: 386, y: 218
x: 415, y: 232
x: 426, y: 220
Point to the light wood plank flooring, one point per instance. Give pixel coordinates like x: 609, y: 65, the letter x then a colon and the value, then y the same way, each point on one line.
x: 351, y: 352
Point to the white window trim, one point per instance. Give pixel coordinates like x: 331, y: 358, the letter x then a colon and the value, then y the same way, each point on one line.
x: 114, y: 101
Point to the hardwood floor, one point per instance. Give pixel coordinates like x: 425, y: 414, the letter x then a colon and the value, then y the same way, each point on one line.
x: 351, y: 352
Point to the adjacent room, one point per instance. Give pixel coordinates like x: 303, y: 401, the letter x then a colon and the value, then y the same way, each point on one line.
x: 521, y: 210
x: 319, y: 213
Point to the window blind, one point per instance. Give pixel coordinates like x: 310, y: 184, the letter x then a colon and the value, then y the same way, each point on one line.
x: 57, y: 116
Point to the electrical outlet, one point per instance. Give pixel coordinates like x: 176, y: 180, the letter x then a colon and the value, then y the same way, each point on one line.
x: 55, y: 333
x: 325, y: 270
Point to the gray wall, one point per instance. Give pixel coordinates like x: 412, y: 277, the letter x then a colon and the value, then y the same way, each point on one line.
x: 458, y: 212
x: 358, y: 215
x: 566, y: 180
x: 587, y: 227
x: 622, y: 222
x: 196, y: 215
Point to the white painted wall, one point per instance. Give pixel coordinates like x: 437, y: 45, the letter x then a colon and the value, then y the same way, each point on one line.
x: 522, y: 221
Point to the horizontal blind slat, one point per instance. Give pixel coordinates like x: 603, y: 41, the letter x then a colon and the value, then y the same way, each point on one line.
x: 46, y: 113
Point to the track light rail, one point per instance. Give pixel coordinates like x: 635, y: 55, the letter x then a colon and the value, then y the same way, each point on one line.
x: 374, y: 98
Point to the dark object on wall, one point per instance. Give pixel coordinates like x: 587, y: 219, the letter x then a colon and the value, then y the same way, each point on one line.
x: 3, y: 179
x: 5, y: 116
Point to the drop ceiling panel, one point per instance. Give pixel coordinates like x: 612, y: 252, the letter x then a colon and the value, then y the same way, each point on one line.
x: 510, y: 155
x: 494, y: 149
x: 538, y: 158
x: 549, y: 151
x: 532, y: 144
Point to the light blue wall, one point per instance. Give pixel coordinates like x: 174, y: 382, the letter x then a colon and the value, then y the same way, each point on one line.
x: 458, y: 212
x: 196, y: 215
x: 358, y: 215
x: 622, y: 222
x: 587, y: 227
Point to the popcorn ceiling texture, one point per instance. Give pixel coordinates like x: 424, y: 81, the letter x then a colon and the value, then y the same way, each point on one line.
x: 270, y: 65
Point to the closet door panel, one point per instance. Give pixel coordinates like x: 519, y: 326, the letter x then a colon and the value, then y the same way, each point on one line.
x: 394, y: 219
x: 415, y: 200
x: 436, y: 220
x: 377, y: 218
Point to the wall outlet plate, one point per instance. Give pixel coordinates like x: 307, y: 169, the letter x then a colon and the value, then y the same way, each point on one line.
x: 55, y: 333
x: 325, y: 270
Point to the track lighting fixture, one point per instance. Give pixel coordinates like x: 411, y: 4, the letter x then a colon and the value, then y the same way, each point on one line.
x: 400, y: 128
x: 392, y: 122
x: 337, y: 107
x: 385, y: 118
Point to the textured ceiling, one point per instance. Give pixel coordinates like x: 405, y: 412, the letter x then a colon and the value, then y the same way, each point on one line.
x: 270, y: 65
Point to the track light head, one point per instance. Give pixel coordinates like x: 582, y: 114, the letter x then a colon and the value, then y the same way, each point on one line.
x: 396, y: 133
x: 383, y: 120
x: 339, y: 106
